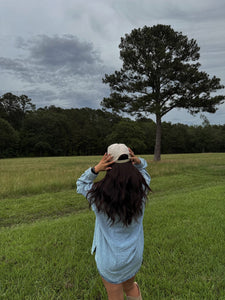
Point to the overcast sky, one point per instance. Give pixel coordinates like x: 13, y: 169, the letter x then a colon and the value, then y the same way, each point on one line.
x: 57, y: 51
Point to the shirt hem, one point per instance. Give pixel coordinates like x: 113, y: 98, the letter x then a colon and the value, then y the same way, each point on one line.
x: 118, y: 281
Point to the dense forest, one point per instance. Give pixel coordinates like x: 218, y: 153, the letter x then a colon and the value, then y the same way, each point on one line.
x: 53, y: 131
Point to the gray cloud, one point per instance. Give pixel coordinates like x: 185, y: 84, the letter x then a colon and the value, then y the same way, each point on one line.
x: 61, y: 70
x: 83, y: 95
x: 63, y: 52
x: 54, y: 53
x: 153, y: 11
x: 15, y: 65
x: 53, y: 59
x: 18, y: 68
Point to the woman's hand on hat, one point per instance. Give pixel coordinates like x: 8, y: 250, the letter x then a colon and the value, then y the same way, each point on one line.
x: 104, y: 164
x: 135, y: 160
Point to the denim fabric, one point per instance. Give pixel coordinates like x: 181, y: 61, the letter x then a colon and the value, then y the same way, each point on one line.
x: 118, y: 249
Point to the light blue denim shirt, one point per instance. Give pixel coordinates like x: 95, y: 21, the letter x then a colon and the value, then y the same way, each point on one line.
x: 118, y: 249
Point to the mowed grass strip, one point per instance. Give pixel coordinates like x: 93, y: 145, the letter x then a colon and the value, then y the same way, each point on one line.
x: 14, y: 211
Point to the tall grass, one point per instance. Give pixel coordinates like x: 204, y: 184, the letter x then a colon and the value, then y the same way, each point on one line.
x: 30, y: 176
x: 46, y: 230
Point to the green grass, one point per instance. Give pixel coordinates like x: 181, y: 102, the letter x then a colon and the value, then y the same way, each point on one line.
x: 46, y: 230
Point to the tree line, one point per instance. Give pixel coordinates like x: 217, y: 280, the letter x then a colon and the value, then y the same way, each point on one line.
x: 52, y: 131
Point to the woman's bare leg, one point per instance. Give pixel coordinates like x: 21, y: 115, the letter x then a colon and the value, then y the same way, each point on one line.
x: 131, y: 288
x: 114, y: 291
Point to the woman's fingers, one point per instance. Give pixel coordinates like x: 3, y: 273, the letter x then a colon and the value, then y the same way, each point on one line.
x: 131, y: 152
x: 107, y: 158
x: 105, y: 163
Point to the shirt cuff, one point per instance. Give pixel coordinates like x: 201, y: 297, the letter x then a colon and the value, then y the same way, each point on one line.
x: 142, y: 165
x: 90, y: 175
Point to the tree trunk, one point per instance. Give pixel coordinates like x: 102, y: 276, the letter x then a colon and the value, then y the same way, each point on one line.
x: 157, y: 151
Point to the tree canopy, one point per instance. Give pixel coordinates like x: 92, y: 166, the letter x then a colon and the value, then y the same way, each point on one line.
x: 160, y: 72
x: 13, y: 108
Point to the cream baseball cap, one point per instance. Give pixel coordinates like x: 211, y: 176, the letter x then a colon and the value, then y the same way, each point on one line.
x: 116, y: 150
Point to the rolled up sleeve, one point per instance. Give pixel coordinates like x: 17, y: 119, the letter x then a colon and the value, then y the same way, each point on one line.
x: 85, y: 182
x: 142, y: 169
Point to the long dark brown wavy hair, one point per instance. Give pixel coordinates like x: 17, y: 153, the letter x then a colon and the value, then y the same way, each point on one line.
x: 121, y: 194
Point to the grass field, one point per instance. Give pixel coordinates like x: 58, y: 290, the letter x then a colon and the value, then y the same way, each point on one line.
x: 46, y: 230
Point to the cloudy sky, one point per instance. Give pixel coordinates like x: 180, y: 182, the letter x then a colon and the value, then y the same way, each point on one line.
x: 57, y: 51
